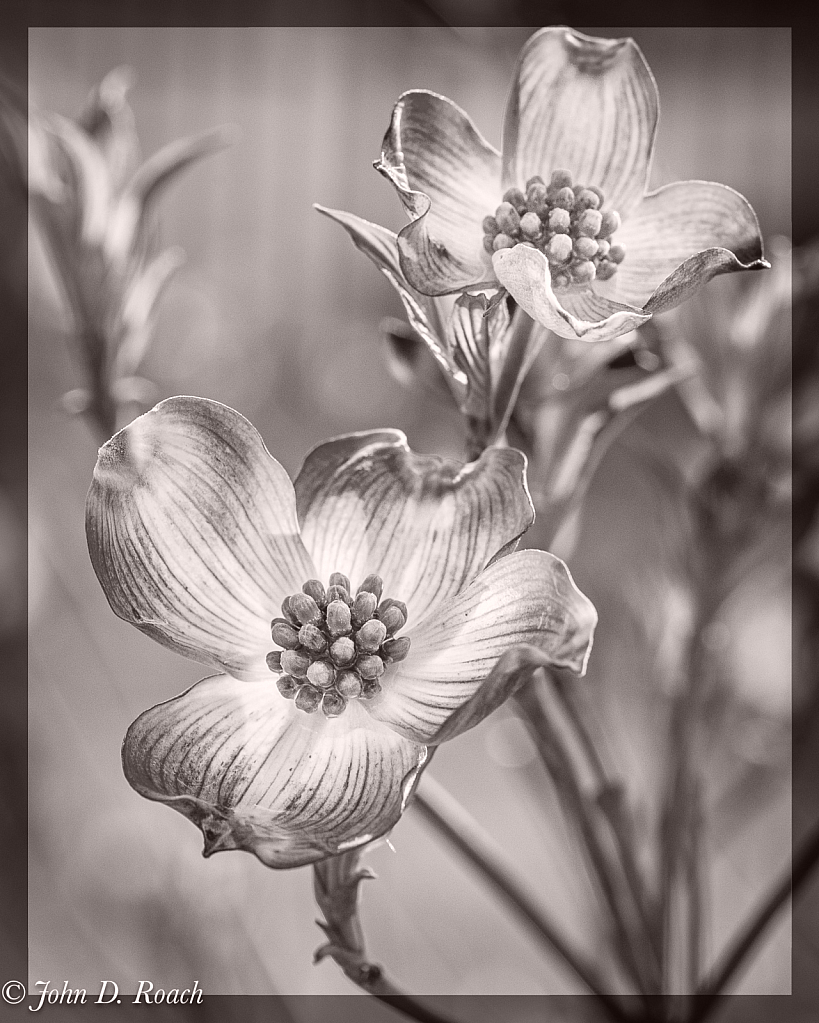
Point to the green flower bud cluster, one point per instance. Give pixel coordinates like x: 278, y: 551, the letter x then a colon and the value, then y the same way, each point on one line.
x: 565, y: 221
x: 335, y: 646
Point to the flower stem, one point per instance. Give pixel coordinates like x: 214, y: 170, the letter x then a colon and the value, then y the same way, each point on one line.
x: 789, y: 885
x: 336, y: 882
x: 547, y: 728
x: 450, y: 819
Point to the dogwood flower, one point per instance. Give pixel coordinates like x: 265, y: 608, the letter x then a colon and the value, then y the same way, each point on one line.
x: 561, y: 218
x: 371, y: 610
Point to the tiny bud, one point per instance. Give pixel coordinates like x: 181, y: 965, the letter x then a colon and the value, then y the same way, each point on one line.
x: 587, y: 200
x: 313, y: 638
x: 364, y: 607
x: 370, y: 636
x: 560, y: 179
x: 502, y: 241
x: 589, y: 223
x: 585, y: 248
x: 342, y: 651
x: 287, y: 686
x: 617, y: 253
x: 602, y: 247
x: 536, y: 195
x: 515, y: 198
x: 338, y: 618
x: 369, y: 689
x: 559, y: 248
x: 561, y: 281
x: 348, y: 684
x: 393, y: 619
x: 559, y: 221
x: 388, y: 602
x: 530, y: 225
x: 321, y: 674
x: 598, y: 193
x: 605, y: 270
x: 313, y: 588
x: 338, y: 593
x: 490, y: 226
x: 333, y: 704
x: 397, y: 649
x: 284, y: 634
x: 583, y: 272
x: 305, y: 608
x: 370, y: 666
x: 564, y: 198
x: 372, y: 584
x: 535, y: 179
x: 288, y: 614
x: 295, y: 662
x: 611, y: 221
x: 274, y: 660
x: 508, y: 218
x: 339, y: 579
x: 489, y: 242
x: 308, y: 699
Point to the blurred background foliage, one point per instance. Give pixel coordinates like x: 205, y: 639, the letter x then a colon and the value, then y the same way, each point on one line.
x: 277, y: 315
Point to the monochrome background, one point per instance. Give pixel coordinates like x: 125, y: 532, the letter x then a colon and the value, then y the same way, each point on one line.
x: 276, y: 314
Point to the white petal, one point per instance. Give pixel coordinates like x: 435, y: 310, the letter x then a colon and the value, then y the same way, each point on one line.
x: 678, y: 238
x: 426, y: 525
x: 448, y: 178
x: 255, y: 773
x: 524, y: 272
x: 528, y: 597
x: 192, y: 532
x: 586, y: 105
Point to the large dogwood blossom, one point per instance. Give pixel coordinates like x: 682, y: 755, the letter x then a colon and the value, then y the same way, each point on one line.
x: 399, y: 611
x: 561, y: 218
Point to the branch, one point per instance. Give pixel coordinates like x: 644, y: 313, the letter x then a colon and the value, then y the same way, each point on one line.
x: 335, y: 883
x: 788, y: 886
x: 450, y: 819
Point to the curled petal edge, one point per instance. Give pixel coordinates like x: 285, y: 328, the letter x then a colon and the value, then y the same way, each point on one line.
x: 426, y: 262
x: 512, y: 670
x: 525, y: 274
x: 696, y: 271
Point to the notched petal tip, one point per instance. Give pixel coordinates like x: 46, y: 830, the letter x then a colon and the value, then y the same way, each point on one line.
x: 288, y: 792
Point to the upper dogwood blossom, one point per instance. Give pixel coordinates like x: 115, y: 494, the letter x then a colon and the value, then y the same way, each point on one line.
x: 561, y: 217
x: 368, y: 612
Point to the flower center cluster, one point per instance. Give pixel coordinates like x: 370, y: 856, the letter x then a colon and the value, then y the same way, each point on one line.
x: 565, y: 221
x: 335, y: 646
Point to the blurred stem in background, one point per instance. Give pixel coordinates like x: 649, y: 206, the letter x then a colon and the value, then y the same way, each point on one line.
x: 95, y: 206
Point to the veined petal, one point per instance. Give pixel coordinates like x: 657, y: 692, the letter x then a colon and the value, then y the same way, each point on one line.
x: 448, y: 178
x: 586, y: 105
x: 193, y: 534
x: 427, y: 525
x: 381, y: 246
x: 524, y: 272
x: 527, y: 597
x: 255, y: 773
x: 678, y: 238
